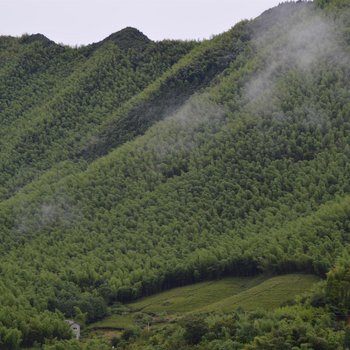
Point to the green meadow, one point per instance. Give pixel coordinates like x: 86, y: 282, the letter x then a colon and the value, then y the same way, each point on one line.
x: 224, y: 295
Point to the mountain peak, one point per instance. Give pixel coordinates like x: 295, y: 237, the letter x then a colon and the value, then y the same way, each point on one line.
x: 129, y: 38
x: 30, y: 38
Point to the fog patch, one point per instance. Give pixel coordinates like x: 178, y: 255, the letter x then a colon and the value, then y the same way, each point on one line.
x: 54, y: 211
x: 299, y: 42
x: 172, y: 140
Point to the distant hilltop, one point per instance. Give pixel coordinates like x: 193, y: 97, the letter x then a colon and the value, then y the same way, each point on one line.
x: 126, y: 38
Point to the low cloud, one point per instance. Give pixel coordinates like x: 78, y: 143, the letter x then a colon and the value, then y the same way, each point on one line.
x: 297, y: 38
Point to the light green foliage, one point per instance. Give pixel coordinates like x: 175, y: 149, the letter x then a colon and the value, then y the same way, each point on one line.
x: 131, y: 167
x: 115, y: 321
x: 338, y: 287
x: 78, y: 89
x: 268, y: 294
x: 293, y: 327
x: 196, y: 296
x: 225, y: 295
x: 228, y: 294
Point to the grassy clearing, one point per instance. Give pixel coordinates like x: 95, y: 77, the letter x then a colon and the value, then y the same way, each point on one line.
x: 115, y: 322
x: 223, y: 295
x: 269, y: 294
x: 195, y: 296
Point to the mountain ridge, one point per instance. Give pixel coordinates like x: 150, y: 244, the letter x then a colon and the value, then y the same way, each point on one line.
x: 126, y: 171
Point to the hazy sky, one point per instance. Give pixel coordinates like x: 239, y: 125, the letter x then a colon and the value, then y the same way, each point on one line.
x: 85, y: 21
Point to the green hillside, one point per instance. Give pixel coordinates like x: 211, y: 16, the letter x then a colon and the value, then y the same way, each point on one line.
x: 129, y: 167
x: 54, y: 98
x: 228, y: 294
x: 224, y: 295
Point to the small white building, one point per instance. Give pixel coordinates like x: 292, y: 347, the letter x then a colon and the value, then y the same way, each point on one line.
x: 75, y: 327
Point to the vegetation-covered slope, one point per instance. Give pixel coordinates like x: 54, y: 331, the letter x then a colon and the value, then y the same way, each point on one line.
x: 141, y: 166
x: 54, y: 98
x: 227, y: 294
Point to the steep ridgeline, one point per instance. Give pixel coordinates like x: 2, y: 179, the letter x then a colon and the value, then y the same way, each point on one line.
x: 194, y: 72
x: 54, y: 98
x: 149, y: 173
x: 115, y: 91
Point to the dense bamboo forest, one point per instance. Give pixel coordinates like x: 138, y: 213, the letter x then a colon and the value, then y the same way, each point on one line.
x: 129, y: 167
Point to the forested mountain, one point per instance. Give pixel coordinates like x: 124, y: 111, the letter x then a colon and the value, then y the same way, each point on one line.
x: 130, y: 166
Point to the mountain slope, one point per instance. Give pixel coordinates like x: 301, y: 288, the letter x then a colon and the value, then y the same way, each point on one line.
x: 230, y: 158
x: 52, y: 110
